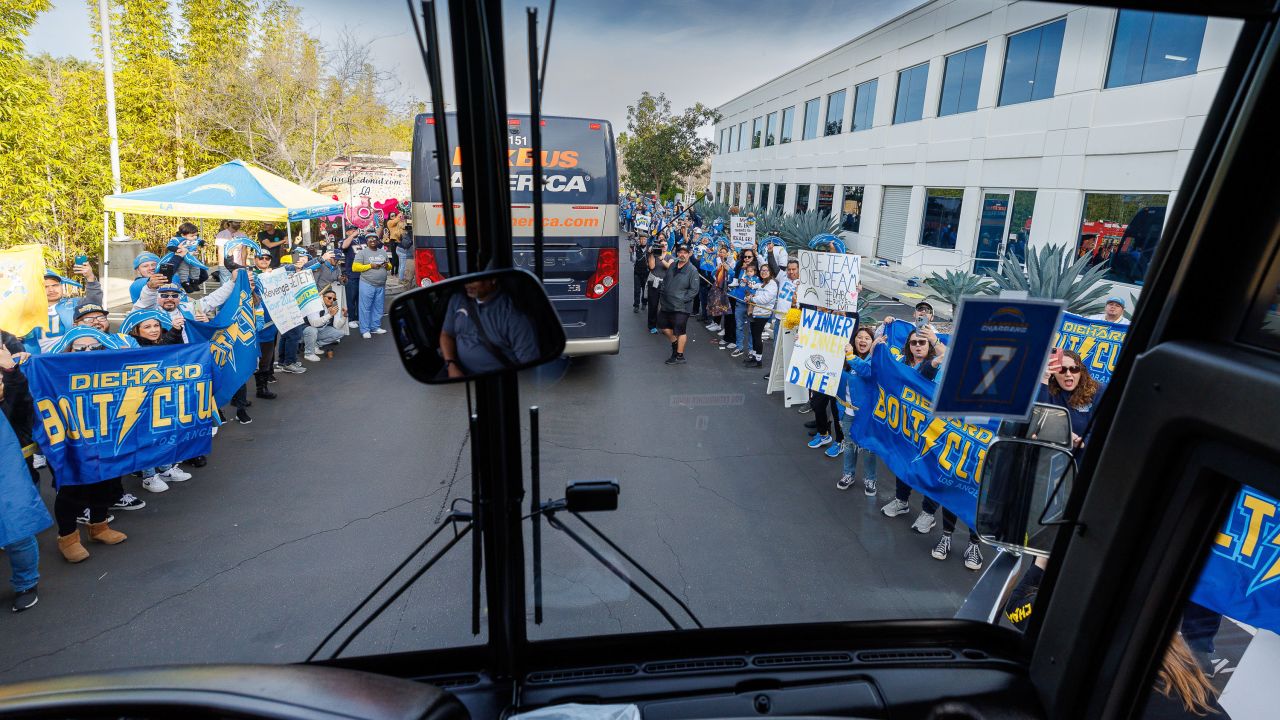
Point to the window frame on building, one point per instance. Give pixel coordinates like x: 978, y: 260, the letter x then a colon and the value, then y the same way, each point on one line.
x: 805, y: 129
x: 1145, y: 72
x: 954, y: 237
x: 846, y: 197
x: 835, y: 100
x: 869, y: 109
x: 757, y: 132
x: 910, y: 73
x: 969, y: 85
x: 742, y: 135
x: 1057, y: 29
x: 771, y: 129
x: 784, y: 129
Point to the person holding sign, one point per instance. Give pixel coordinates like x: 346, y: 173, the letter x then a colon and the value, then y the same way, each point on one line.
x: 924, y: 352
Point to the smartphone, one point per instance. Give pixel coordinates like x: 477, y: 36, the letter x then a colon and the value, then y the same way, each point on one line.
x: 921, y: 321
x: 1055, y: 360
x: 82, y: 260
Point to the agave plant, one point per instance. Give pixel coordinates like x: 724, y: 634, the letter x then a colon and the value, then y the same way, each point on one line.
x: 1052, y: 273
x: 955, y: 284
x: 865, y: 297
x: 798, y: 229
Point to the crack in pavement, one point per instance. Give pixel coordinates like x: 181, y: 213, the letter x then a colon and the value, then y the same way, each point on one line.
x: 195, y: 587
x: 457, y: 465
x: 679, y: 565
x: 607, y: 608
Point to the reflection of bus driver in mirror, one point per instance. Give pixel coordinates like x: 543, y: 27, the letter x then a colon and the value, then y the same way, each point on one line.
x: 484, y: 332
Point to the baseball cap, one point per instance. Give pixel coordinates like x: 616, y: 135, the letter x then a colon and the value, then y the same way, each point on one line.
x: 682, y: 246
x: 262, y: 252
x: 169, y: 287
x: 924, y: 306
x: 89, y: 309
x: 144, y: 258
x: 1117, y: 300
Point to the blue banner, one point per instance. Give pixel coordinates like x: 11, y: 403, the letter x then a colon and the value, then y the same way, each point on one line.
x: 1097, y: 341
x: 898, y: 331
x: 107, y: 413
x: 1241, y: 578
x: 938, y: 457
x: 232, y: 339
x: 22, y: 512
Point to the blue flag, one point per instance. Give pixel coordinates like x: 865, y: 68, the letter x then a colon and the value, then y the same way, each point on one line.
x: 898, y: 331
x: 939, y: 457
x: 232, y: 339
x: 1241, y: 578
x: 22, y: 512
x: 1097, y: 341
x: 107, y: 413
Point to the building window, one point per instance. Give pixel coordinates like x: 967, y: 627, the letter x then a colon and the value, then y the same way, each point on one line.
x: 802, y: 198
x: 751, y: 195
x: 835, y: 113
x: 810, y: 119
x: 771, y: 129
x: 826, y: 198
x: 864, y: 105
x: 1031, y: 64
x: 851, y: 208
x: 941, y: 217
x: 779, y: 198
x: 909, y: 105
x: 764, y: 195
x: 1150, y: 46
x: 724, y: 141
x: 757, y: 133
x: 961, y: 76
x: 1122, y: 230
x: 742, y: 135
x: 788, y: 116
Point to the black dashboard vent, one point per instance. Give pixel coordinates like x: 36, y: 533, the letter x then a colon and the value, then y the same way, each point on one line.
x: 680, y: 666
x: 444, y: 682
x: 810, y: 659
x: 880, y: 656
x: 554, y: 676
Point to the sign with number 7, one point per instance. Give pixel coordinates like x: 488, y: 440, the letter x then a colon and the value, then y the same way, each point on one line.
x: 995, y: 363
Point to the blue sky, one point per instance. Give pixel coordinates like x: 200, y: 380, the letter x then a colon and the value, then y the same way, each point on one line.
x: 603, y: 52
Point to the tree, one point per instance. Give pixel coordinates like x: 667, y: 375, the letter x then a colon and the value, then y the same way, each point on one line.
x: 658, y: 146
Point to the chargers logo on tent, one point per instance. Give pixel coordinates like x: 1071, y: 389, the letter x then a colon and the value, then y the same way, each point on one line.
x: 224, y: 187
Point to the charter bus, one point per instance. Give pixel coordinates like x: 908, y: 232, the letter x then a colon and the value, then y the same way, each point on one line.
x: 580, y: 218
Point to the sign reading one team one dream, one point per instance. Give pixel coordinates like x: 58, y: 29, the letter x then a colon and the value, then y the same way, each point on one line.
x: 829, y: 280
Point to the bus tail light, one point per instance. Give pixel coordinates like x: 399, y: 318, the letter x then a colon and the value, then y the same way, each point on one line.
x: 424, y: 260
x: 606, y: 277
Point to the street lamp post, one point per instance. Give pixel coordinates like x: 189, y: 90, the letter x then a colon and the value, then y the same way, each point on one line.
x: 109, y: 74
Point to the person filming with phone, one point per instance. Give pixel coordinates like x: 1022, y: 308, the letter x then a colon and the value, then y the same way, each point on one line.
x: 1068, y: 384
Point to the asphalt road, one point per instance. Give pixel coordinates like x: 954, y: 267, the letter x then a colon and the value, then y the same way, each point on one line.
x: 298, y: 515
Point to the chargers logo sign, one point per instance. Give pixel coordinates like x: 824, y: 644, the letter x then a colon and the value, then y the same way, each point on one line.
x: 108, y: 413
x: 1006, y: 320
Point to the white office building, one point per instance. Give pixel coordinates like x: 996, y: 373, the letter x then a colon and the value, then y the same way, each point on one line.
x: 965, y: 127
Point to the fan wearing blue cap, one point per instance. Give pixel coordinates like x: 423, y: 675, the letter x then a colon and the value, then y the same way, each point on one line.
x: 1113, y: 312
x: 62, y: 309
x: 144, y: 266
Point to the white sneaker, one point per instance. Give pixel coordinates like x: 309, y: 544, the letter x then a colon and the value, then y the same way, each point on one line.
x: 924, y: 523
x: 895, y: 507
x: 294, y: 367
x: 354, y: 323
x: 154, y: 484
x: 732, y: 346
x: 720, y: 332
x: 311, y: 357
x: 379, y: 331
x: 176, y: 474
x: 366, y: 336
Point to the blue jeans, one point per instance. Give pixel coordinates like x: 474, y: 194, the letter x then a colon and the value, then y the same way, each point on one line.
x: 740, y: 314
x: 289, y: 345
x: 852, y: 452
x: 149, y: 472
x: 24, y: 558
x: 406, y: 262
x: 372, y: 298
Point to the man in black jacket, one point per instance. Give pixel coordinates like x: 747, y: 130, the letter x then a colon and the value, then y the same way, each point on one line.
x: 679, y: 288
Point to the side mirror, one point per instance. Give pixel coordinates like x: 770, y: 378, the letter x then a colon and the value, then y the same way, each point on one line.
x: 475, y: 326
x: 1022, y: 494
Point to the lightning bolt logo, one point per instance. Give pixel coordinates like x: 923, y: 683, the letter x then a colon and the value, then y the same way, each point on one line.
x: 1086, y: 346
x: 1272, y: 572
x: 931, y: 435
x: 130, y: 405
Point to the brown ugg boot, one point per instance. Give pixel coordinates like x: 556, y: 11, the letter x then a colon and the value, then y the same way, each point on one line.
x: 99, y: 532
x: 71, y: 548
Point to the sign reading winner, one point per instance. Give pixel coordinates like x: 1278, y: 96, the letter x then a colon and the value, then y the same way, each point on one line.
x: 818, y: 357
x: 829, y: 280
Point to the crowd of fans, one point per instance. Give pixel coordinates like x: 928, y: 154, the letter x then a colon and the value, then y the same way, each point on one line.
x: 685, y: 269
x: 350, y: 272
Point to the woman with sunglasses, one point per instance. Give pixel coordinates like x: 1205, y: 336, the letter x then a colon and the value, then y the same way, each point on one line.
x: 1068, y: 384
x: 746, y: 259
x: 863, y: 340
x: 149, y: 328
x: 71, y: 500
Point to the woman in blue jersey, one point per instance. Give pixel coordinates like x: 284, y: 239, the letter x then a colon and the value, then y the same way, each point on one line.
x: 863, y: 340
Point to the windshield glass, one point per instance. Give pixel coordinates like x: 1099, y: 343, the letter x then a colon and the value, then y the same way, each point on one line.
x: 757, y: 258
